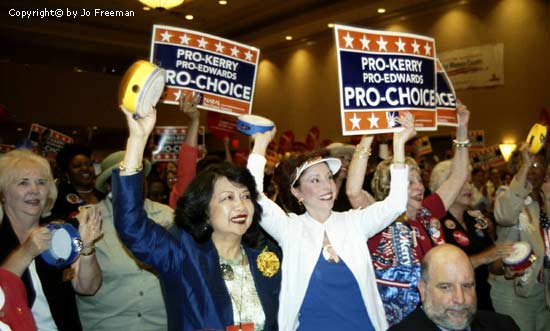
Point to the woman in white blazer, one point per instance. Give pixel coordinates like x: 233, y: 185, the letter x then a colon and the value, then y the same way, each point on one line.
x: 328, y: 279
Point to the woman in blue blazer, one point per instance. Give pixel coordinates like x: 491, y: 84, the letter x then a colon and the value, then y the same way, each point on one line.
x: 210, y: 279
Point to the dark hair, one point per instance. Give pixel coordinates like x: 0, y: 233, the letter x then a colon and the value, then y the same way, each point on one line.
x: 68, y: 152
x: 192, y: 208
x: 208, y: 160
x: 284, y: 174
x: 545, y: 156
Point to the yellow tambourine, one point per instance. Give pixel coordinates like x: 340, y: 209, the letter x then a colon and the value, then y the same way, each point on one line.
x: 141, y: 88
x: 537, y: 138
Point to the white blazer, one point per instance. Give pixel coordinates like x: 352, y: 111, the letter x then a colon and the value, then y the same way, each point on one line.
x: 301, y: 239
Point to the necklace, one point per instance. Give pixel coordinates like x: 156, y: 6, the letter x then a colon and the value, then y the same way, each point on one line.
x: 226, y: 265
x: 85, y: 191
x: 226, y: 268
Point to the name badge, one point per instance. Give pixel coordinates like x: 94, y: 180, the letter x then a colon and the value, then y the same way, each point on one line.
x: 240, y: 327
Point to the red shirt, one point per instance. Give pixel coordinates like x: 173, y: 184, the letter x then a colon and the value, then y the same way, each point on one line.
x: 14, y: 310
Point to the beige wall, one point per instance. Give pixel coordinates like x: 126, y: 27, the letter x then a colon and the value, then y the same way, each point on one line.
x: 298, y: 87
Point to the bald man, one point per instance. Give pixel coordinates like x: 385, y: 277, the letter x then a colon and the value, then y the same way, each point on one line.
x: 447, y: 292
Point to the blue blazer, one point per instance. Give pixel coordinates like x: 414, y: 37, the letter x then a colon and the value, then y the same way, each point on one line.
x: 195, y: 293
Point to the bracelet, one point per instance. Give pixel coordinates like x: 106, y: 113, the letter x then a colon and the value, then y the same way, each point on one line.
x: 462, y: 144
x: 125, y: 169
x: 362, y: 152
x: 92, y: 251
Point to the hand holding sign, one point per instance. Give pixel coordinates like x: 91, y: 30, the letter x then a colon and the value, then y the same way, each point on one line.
x: 407, y: 123
x: 188, y: 104
x: 463, y: 114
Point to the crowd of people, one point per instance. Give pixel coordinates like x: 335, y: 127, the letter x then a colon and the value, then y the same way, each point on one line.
x: 326, y: 240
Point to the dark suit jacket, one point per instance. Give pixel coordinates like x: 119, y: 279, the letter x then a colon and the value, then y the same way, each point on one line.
x: 58, y: 290
x: 194, y: 291
x: 483, y: 321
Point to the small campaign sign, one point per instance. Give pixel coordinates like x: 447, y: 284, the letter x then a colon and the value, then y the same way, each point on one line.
x: 221, y: 125
x: 422, y: 146
x: 446, y: 98
x: 382, y: 73
x: 477, y: 139
x: 47, y: 142
x: 167, y: 142
x: 224, y: 71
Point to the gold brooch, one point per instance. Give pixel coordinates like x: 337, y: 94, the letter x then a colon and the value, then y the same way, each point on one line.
x: 268, y: 263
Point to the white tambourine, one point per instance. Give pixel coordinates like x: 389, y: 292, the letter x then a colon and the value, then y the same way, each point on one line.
x: 65, y: 247
x: 522, y: 257
x: 141, y: 88
x: 251, y: 124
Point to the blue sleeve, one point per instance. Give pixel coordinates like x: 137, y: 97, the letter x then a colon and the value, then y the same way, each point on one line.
x: 149, y: 242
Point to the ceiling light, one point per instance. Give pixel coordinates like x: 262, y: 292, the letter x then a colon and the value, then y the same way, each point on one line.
x: 161, y: 4
x: 506, y: 150
x: 222, y: 2
x: 381, y: 10
x: 288, y: 37
x: 330, y: 25
x: 189, y: 17
x: 146, y: 8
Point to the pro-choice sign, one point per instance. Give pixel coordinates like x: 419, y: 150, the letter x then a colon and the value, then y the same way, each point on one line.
x: 382, y: 73
x: 223, y: 71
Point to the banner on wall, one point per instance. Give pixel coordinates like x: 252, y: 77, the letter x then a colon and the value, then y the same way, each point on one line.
x: 47, y: 142
x: 446, y: 98
x: 382, y: 73
x: 167, y: 142
x: 472, y: 67
x: 224, y: 71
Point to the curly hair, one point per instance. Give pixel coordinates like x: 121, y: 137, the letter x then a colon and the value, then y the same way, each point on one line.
x: 16, y: 161
x: 192, y: 210
x: 68, y: 152
x: 381, y: 181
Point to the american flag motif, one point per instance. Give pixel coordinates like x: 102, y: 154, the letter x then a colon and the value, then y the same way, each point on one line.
x: 167, y: 141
